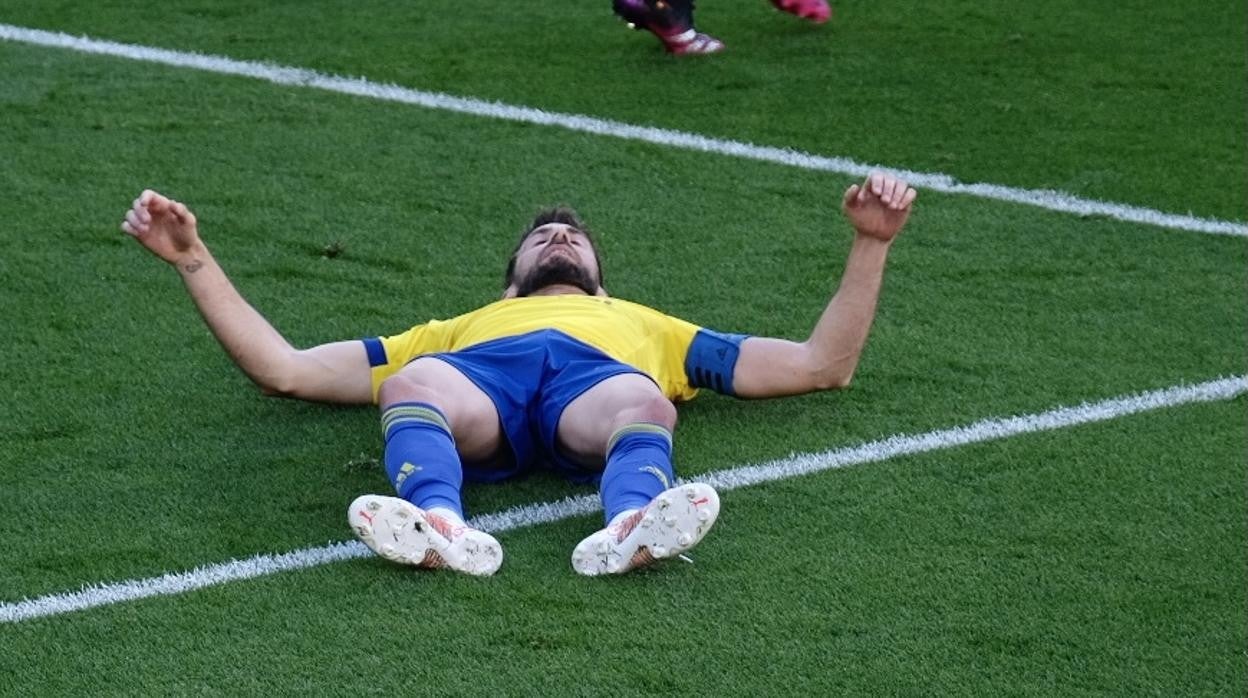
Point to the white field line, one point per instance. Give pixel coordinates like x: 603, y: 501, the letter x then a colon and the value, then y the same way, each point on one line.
x: 300, y: 77
x: 107, y: 593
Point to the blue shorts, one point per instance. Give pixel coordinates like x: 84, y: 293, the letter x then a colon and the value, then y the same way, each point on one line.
x: 531, y: 378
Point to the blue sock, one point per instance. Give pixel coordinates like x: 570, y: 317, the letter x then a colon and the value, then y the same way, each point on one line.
x: 639, y: 467
x: 420, y: 456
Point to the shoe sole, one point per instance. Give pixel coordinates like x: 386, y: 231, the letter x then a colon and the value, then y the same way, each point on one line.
x: 399, y: 531
x: 674, y: 521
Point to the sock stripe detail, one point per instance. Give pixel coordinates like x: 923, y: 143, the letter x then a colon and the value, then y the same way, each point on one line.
x: 413, y: 413
x: 657, y: 473
x: 638, y: 428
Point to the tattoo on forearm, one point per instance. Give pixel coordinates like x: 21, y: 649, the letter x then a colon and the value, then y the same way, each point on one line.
x: 193, y: 266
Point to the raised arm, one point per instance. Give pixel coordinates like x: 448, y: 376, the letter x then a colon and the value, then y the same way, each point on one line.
x: 766, y: 367
x: 336, y: 372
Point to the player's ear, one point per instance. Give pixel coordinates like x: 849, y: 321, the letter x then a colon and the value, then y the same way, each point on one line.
x: 602, y: 292
x: 509, y: 292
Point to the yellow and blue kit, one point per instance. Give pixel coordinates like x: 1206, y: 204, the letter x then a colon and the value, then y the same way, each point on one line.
x: 533, y: 356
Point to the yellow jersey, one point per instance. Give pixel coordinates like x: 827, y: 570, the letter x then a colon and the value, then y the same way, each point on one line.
x: 646, y: 339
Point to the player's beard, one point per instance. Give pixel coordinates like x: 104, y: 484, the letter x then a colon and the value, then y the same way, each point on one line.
x: 556, y: 269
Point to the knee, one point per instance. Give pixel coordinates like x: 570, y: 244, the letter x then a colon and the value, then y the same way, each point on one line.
x: 400, y: 388
x: 655, y: 409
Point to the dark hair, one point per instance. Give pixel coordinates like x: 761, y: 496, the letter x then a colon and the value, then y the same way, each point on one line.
x: 565, y: 215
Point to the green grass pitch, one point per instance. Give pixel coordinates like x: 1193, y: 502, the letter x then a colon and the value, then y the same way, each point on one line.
x: 1102, y: 559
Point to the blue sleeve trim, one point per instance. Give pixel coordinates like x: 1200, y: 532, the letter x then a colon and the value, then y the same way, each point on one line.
x: 376, y: 351
x: 711, y: 360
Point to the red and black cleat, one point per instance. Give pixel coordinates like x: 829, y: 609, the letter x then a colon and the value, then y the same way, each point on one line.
x: 671, y: 21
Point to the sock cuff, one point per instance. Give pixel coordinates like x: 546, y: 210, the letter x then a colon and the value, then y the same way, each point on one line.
x: 411, y: 413
x: 638, y: 428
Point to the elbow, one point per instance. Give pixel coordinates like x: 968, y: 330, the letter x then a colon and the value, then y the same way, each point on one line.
x: 829, y: 369
x: 270, y: 391
x: 843, y: 381
x: 275, y: 385
x: 277, y: 376
x: 835, y: 380
x: 836, y: 375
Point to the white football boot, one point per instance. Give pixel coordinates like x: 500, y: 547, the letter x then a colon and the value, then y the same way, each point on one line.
x: 670, y: 524
x: 401, y: 532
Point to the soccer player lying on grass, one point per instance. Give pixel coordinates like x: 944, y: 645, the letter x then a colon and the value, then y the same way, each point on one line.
x: 555, y: 373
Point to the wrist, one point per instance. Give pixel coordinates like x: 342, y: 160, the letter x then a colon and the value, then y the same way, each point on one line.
x: 193, y: 259
x: 866, y: 239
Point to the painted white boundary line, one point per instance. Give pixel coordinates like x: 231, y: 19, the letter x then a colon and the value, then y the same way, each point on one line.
x: 547, y: 512
x: 300, y: 77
